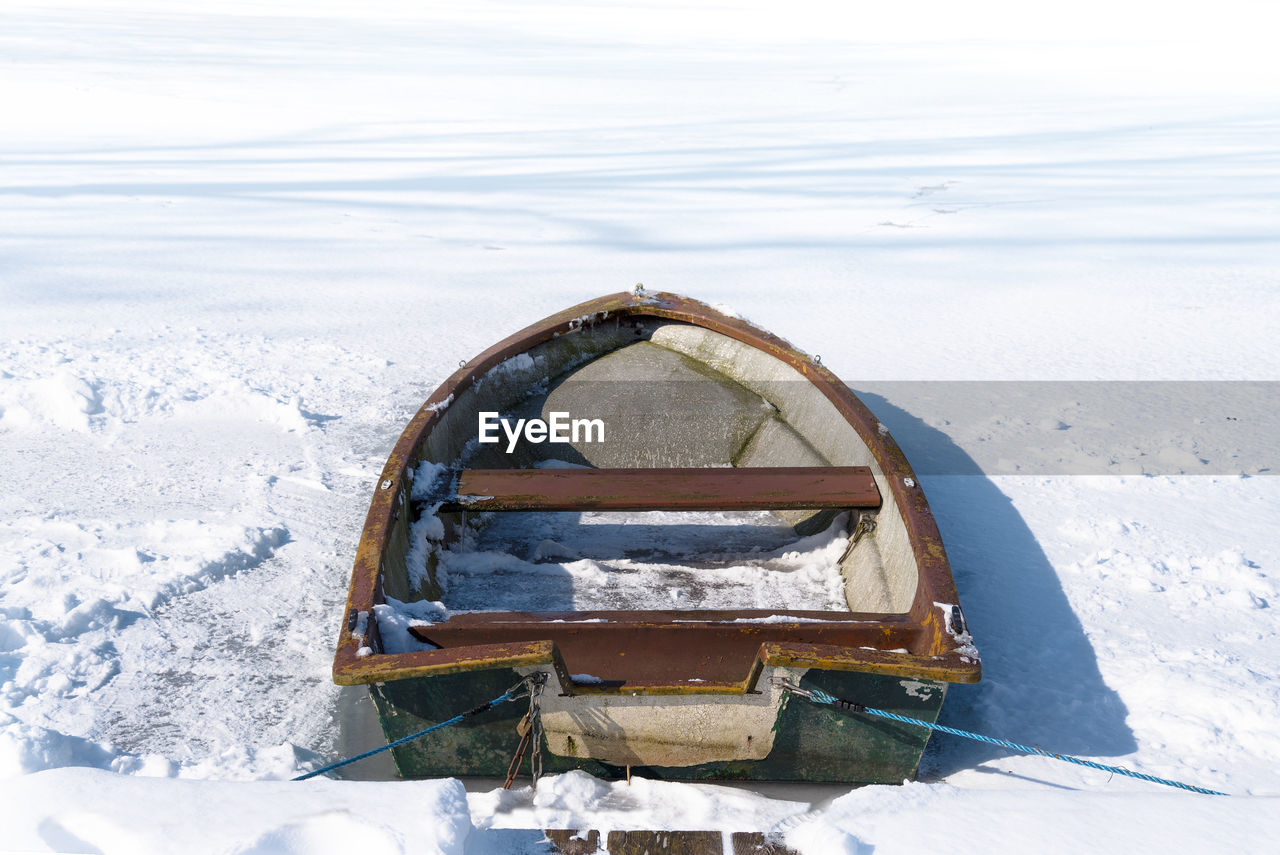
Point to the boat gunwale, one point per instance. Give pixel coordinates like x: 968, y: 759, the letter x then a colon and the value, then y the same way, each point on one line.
x: 935, y: 607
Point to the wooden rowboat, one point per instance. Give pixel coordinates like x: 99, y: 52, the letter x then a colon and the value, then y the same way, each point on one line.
x: 701, y: 414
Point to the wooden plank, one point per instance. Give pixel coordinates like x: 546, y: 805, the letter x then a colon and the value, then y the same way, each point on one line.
x: 570, y: 842
x: 433, y: 663
x: 951, y: 667
x: 671, y: 842
x: 789, y: 487
x: 755, y: 843
x: 642, y: 650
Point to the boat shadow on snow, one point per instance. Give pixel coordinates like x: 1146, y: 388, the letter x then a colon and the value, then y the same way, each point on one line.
x: 1041, y: 684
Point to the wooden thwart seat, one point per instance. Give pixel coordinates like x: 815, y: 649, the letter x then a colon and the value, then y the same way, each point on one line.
x: 658, y: 647
x: 776, y: 488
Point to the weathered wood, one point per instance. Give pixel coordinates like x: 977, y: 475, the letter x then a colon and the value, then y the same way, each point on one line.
x: 434, y: 663
x: 755, y: 843
x: 706, y: 651
x: 671, y: 842
x: 571, y: 842
x: 789, y: 487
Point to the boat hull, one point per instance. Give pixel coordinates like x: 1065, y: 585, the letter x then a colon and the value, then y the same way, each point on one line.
x: 812, y: 742
x: 686, y: 695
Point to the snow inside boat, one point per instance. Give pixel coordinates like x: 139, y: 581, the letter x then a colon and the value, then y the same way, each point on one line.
x: 686, y: 507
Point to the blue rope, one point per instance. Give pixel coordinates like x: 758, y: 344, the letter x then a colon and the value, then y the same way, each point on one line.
x: 510, y: 695
x: 823, y: 698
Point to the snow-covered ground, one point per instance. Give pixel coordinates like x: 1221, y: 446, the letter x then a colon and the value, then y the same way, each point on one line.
x: 240, y: 243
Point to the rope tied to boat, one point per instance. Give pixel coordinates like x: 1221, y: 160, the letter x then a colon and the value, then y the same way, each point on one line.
x: 529, y: 687
x: 820, y: 697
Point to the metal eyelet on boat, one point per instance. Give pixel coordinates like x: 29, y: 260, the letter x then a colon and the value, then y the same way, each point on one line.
x: 910, y: 482
x: 385, y: 485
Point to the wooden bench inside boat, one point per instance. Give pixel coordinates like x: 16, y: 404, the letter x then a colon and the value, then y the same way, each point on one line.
x: 699, y: 649
x: 724, y: 489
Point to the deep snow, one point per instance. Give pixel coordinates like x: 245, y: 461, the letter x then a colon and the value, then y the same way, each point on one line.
x: 241, y: 245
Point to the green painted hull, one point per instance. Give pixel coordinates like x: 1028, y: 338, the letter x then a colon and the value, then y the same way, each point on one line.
x: 812, y: 742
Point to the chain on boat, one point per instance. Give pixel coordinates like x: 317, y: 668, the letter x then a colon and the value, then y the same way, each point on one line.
x: 530, y: 730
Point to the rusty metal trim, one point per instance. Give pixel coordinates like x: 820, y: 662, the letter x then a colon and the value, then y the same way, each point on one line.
x: 430, y: 663
x: 677, y: 617
x: 948, y: 667
x: 764, y: 488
